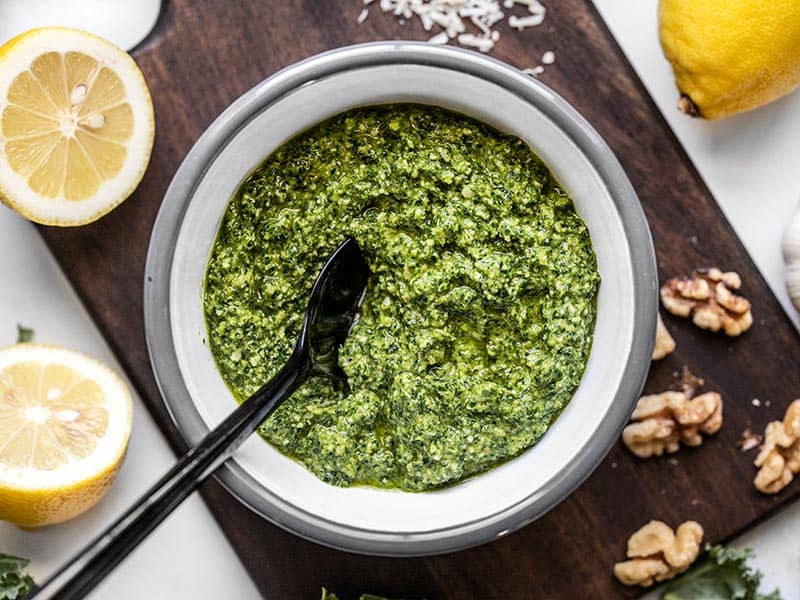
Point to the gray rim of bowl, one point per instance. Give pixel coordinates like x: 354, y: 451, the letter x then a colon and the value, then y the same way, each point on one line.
x: 159, y: 263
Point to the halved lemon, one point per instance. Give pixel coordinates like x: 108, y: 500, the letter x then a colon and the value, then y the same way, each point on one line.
x: 76, y: 126
x: 65, y: 422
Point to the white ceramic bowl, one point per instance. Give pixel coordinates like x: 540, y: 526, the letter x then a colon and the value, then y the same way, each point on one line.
x: 478, y: 509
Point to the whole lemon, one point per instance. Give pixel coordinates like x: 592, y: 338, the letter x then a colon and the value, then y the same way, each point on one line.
x: 730, y: 56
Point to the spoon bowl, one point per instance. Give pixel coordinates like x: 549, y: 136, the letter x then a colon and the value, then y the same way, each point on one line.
x: 333, y: 308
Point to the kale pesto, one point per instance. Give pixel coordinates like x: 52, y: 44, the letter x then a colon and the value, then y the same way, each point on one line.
x: 479, y: 314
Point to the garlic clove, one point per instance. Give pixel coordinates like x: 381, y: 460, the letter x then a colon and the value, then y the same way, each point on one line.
x: 793, y: 283
x: 791, y: 256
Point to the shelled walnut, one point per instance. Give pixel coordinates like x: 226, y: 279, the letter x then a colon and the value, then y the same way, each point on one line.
x: 656, y: 553
x: 665, y: 343
x: 661, y: 422
x: 779, y: 458
x: 708, y: 297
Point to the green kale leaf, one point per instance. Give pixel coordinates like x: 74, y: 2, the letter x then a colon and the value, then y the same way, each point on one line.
x: 24, y: 334
x: 15, y: 584
x: 725, y: 575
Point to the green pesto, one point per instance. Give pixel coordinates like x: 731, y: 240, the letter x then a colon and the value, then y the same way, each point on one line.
x: 479, y: 313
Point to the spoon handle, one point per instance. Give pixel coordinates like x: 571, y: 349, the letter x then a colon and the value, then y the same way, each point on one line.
x: 85, y: 570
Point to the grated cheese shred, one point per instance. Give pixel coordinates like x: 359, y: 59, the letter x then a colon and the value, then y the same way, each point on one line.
x: 453, y: 17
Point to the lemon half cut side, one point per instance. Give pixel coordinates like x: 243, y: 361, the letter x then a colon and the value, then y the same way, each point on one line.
x: 65, y: 422
x: 76, y: 126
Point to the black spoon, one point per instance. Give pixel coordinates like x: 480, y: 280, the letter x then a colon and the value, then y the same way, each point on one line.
x: 332, y: 310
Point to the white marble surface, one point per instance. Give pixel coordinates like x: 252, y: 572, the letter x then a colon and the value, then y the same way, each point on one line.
x: 750, y: 163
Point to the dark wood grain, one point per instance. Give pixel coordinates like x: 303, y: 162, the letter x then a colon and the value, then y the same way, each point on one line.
x: 205, y: 53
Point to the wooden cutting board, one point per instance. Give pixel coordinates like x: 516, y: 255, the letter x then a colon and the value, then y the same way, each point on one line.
x: 205, y: 53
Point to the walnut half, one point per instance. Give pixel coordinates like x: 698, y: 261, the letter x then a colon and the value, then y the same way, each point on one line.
x: 708, y: 298
x: 665, y: 343
x: 656, y: 553
x: 779, y: 458
x: 661, y: 422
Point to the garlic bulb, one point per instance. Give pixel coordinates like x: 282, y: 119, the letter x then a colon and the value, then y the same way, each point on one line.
x: 791, y: 256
